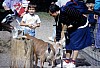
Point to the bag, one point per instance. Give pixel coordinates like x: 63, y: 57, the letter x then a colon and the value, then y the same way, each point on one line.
x: 97, y: 5
x: 19, y: 9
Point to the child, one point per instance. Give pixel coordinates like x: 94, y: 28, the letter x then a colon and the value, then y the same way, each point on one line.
x: 97, y: 11
x: 30, y: 20
x: 92, y: 20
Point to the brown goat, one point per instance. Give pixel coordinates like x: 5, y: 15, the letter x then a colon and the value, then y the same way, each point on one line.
x: 43, y: 51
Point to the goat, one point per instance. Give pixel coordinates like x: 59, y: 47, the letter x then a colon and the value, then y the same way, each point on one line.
x: 42, y: 50
x: 5, y: 20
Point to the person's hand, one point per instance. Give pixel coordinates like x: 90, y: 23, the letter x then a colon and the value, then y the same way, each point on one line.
x: 28, y: 25
x: 52, y: 2
x: 70, y: 26
x: 31, y: 26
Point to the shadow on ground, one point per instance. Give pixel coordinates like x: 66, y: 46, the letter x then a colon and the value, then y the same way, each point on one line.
x: 82, y: 62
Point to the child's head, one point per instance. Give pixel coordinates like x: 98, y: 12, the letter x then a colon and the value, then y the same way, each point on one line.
x: 90, y: 6
x: 31, y: 8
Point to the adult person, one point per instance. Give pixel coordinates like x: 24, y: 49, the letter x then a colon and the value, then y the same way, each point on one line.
x: 56, y: 35
x: 75, y: 26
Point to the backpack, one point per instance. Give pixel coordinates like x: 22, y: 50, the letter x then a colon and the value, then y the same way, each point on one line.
x: 97, y: 5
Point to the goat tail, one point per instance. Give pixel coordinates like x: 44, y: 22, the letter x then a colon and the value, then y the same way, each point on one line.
x: 48, y: 48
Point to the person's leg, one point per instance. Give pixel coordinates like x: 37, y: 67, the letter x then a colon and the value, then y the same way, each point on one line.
x: 68, y: 54
x: 74, y: 57
x: 66, y: 60
x: 75, y: 54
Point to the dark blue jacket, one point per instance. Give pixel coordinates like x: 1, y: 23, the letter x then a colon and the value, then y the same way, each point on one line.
x: 71, y: 13
x: 91, y: 19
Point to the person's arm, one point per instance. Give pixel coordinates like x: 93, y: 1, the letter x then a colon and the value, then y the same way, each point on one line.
x: 62, y: 39
x: 23, y: 22
x: 29, y: 25
x: 64, y: 28
x: 37, y: 23
x: 34, y: 26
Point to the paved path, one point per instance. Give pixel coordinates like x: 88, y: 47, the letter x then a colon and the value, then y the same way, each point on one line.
x: 43, y: 32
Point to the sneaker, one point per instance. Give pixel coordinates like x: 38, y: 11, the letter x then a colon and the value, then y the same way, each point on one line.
x: 51, y: 39
x: 72, y: 65
x: 65, y: 65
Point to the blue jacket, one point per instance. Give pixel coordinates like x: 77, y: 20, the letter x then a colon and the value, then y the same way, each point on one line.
x: 80, y: 6
x: 91, y: 18
x: 72, y: 12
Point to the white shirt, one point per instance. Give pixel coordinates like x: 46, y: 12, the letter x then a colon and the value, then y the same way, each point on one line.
x: 33, y: 20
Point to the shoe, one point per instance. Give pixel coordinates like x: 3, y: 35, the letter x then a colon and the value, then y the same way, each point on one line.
x: 51, y: 39
x: 72, y: 65
x: 65, y: 65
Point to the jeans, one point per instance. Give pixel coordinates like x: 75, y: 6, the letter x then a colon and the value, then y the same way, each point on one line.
x: 31, y: 32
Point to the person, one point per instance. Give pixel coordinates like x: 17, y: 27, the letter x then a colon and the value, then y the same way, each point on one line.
x: 55, y: 37
x: 97, y: 11
x: 92, y: 20
x: 30, y: 20
x: 75, y: 27
x: 97, y: 38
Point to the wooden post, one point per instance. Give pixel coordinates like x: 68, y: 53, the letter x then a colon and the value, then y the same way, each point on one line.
x: 21, y: 53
